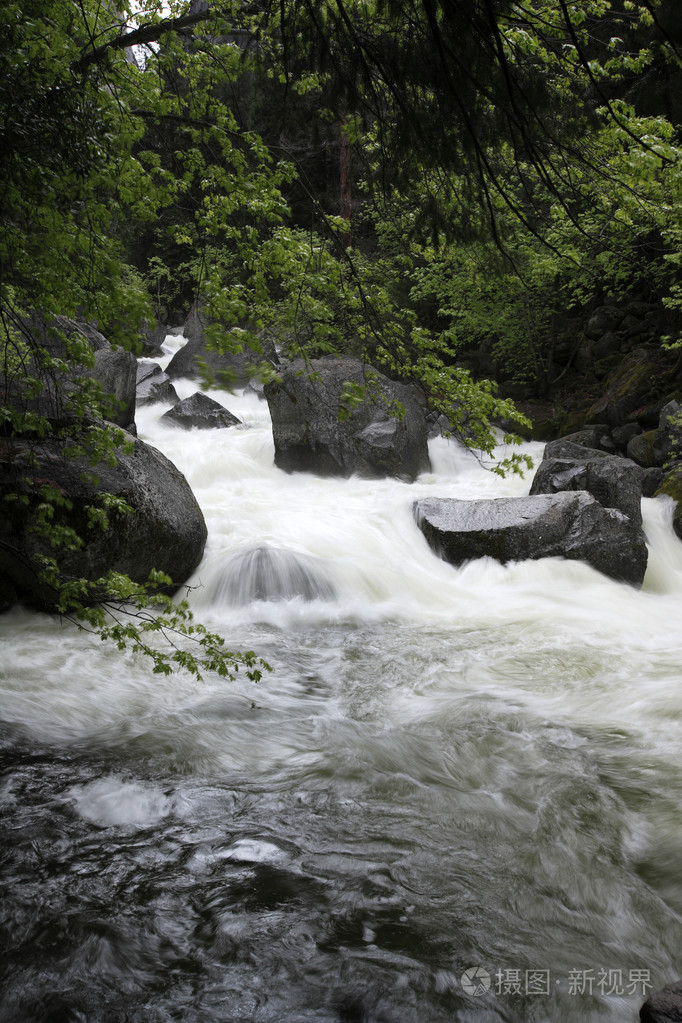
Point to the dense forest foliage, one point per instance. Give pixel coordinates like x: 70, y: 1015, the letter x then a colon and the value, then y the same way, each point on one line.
x: 406, y: 181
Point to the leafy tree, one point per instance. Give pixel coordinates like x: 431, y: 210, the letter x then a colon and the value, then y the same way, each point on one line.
x: 74, y: 174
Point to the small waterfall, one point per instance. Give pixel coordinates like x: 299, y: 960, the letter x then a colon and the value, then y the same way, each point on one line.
x: 270, y: 574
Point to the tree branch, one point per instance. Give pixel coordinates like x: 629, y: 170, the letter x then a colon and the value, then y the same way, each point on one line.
x: 144, y: 34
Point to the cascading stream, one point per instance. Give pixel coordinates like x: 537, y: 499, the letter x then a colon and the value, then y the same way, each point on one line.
x: 447, y: 769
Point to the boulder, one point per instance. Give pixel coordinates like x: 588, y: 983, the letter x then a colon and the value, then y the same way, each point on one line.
x: 257, y: 387
x: 165, y: 531
x: 640, y: 449
x: 622, y: 435
x: 201, y: 412
x: 566, y: 525
x: 614, y: 482
x: 597, y: 437
x: 152, y: 340
x: 667, y: 446
x: 154, y: 385
x: 116, y: 370
x: 651, y: 480
x: 664, y: 1006
x: 113, y: 370
x: 316, y: 430
x: 566, y: 448
x: 199, y: 359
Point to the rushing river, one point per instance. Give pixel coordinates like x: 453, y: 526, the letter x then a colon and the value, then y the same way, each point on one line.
x: 447, y: 771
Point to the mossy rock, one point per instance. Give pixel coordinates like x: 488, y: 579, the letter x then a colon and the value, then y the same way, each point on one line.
x: 641, y: 378
x: 641, y: 449
x: 570, y: 421
x: 672, y: 487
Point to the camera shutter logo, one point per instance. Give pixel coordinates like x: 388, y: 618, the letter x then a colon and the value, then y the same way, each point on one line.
x: 475, y: 981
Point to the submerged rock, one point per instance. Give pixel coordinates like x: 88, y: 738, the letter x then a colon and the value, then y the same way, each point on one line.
x: 201, y: 412
x: 321, y: 424
x: 567, y: 525
x: 270, y: 573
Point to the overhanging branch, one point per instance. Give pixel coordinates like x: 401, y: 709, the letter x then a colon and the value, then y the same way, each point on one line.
x: 149, y: 33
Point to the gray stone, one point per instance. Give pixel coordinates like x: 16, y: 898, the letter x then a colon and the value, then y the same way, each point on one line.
x: 257, y: 387
x: 567, y: 525
x: 165, y: 531
x: 201, y: 412
x: 614, y: 482
x: 113, y: 370
x: 313, y: 433
x: 564, y: 447
x: 88, y: 330
x: 605, y: 344
x: 664, y: 1006
x: 198, y: 358
x: 589, y: 437
x: 622, y: 435
x: 154, y: 385
x: 152, y: 340
x: 651, y: 481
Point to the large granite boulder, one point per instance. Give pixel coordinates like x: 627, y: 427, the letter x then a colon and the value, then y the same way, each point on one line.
x: 322, y: 423
x: 201, y: 412
x: 614, y: 482
x: 564, y: 447
x: 153, y: 385
x: 165, y: 530
x: 566, y: 525
x: 113, y: 372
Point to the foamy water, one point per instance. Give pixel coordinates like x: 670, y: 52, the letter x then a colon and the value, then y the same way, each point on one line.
x: 447, y: 768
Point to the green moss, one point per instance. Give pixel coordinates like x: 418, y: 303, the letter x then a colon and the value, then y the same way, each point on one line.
x: 672, y: 487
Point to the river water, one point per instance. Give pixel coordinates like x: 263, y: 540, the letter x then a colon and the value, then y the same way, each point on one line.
x: 457, y: 797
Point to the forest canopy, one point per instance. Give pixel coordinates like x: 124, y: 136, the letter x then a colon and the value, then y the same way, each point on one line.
x: 389, y: 180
